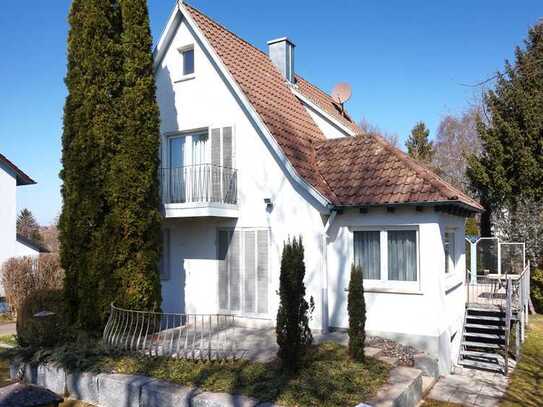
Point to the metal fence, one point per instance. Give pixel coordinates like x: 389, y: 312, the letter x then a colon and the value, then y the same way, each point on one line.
x: 190, y: 336
x: 199, y: 183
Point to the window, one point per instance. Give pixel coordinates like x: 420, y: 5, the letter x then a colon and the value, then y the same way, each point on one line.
x: 187, y: 56
x: 450, y: 254
x: 389, y: 255
x: 243, y: 271
x: 367, y: 253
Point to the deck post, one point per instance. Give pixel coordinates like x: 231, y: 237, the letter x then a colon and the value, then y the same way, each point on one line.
x: 473, y: 261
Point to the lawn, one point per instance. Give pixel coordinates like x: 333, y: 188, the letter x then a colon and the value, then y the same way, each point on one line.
x: 526, y: 386
x: 327, y: 377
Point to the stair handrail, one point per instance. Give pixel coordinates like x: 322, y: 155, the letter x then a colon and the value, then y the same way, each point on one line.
x: 508, y: 316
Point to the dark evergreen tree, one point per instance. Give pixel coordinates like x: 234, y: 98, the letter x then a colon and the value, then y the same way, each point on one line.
x: 356, y: 306
x: 133, y: 188
x: 28, y: 226
x: 510, y: 167
x: 292, y: 328
x: 419, y: 145
x: 90, y: 129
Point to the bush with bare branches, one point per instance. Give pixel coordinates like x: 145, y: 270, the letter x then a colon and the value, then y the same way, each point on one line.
x: 23, y: 276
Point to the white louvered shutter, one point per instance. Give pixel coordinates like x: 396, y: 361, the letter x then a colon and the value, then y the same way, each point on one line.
x: 234, y: 271
x: 249, y: 283
x: 224, y: 240
x: 215, y: 165
x: 262, y: 271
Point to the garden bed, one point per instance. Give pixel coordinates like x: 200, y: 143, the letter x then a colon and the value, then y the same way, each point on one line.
x: 327, y: 377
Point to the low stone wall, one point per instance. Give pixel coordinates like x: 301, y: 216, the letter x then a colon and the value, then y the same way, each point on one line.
x: 403, y: 389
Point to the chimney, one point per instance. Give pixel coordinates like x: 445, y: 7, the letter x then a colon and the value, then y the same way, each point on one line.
x: 281, y: 52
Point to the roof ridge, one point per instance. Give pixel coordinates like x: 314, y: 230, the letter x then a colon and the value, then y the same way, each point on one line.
x: 224, y: 28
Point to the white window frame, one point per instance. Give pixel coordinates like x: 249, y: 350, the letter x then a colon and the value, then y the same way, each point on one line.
x: 181, y: 76
x: 187, y: 153
x: 241, y: 311
x: 384, y: 284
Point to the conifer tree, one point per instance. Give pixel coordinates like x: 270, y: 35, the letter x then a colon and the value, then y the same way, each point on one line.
x: 510, y: 168
x: 356, y: 306
x: 28, y: 226
x: 133, y: 188
x: 88, y: 136
x: 292, y: 327
x: 419, y: 145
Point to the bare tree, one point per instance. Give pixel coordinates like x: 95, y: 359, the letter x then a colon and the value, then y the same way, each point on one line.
x: 457, y: 137
x: 367, y: 127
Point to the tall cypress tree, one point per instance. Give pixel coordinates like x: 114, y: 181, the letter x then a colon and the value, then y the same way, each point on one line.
x: 510, y: 168
x: 88, y: 136
x: 133, y: 182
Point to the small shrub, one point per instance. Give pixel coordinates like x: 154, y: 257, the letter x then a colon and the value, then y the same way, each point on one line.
x: 42, y: 331
x: 292, y: 329
x: 22, y: 276
x: 357, y: 314
x: 537, y: 290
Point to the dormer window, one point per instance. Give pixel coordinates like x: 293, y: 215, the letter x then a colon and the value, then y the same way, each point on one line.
x: 187, y: 60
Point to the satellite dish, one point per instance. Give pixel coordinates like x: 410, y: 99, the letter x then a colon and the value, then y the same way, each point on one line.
x: 342, y: 92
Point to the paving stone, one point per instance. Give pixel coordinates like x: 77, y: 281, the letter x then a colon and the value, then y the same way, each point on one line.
x: 372, y: 352
x: 403, y: 388
x: 83, y: 386
x: 427, y: 364
x: 487, y: 401
x: 157, y: 393
x: 120, y: 390
x: 52, y: 378
x: 466, y: 399
x: 208, y: 399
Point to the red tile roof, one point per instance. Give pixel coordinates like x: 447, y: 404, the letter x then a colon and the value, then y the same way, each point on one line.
x: 359, y: 171
x: 21, y: 177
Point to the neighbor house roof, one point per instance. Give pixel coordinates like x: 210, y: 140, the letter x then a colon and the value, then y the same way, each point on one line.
x: 32, y: 244
x: 21, y: 177
x: 360, y: 171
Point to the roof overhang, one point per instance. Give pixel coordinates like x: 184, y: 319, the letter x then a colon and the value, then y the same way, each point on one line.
x: 31, y: 244
x: 20, y: 176
x: 451, y: 207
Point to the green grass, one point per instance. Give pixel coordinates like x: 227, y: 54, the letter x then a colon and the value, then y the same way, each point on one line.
x: 526, y: 386
x: 8, y: 340
x: 437, y: 403
x: 6, y: 319
x: 328, y: 377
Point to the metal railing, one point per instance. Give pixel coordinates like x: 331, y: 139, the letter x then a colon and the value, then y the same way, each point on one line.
x: 199, y: 183
x: 189, y: 336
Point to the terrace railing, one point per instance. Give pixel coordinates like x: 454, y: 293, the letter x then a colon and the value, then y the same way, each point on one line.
x: 190, y: 336
x: 201, y: 183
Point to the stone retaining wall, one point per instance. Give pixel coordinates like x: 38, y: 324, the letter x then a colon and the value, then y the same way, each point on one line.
x: 403, y: 389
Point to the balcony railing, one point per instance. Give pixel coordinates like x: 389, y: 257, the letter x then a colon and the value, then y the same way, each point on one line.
x: 201, y: 183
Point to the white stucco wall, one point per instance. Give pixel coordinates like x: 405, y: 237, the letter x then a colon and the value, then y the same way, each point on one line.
x: 206, y: 101
x: 22, y: 250
x: 8, y: 213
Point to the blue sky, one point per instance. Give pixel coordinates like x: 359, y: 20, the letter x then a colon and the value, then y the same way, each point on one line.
x: 405, y: 60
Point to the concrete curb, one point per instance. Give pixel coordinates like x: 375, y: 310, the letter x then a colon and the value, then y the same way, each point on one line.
x: 403, y: 389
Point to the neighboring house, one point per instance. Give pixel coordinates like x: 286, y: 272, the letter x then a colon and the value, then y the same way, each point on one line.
x: 253, y: 154
x: 11, y: 244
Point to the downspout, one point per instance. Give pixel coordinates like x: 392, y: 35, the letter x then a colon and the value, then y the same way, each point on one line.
x: 324, y: 272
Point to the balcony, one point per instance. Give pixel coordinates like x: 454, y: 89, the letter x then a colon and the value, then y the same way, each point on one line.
x: 199, y: 190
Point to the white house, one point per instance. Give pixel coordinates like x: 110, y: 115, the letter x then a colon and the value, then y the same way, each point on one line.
x: 12, y: 244
x: 252, y: 154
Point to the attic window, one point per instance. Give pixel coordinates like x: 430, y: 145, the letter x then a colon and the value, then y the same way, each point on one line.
x: 187, y: 60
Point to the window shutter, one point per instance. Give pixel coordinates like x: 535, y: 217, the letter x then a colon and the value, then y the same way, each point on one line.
x: 165, y: 258
x: 215, y: 165
x: 224, y: 237
x: 262, y: 271
x: 250, y: 272
x: 227, y: 147
x: 234, y: 272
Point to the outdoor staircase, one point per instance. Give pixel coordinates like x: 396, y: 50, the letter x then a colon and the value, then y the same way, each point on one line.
x: 483, y: 343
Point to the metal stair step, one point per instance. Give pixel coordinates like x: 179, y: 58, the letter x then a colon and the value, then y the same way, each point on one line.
x: 473, y: 344
x: 486, y: 318
x: 485, y: 326
x: 482, y: 365
x: 486, y: 336
x: 486, y: 355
